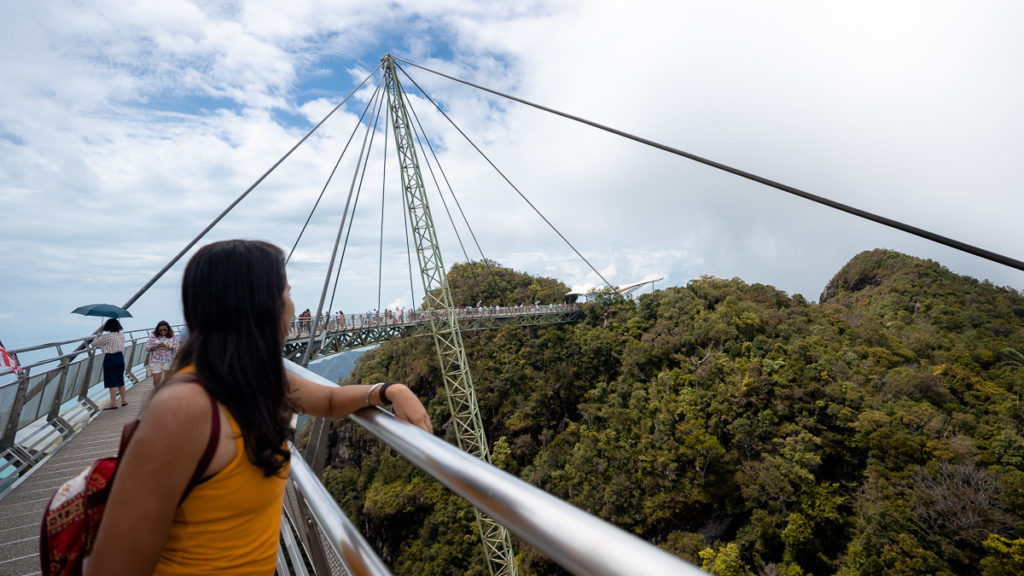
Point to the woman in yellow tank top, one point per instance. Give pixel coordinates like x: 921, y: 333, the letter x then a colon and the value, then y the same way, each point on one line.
x: 238, y: 308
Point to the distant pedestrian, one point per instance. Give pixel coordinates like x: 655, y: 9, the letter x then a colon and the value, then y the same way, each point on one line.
x: 111, y: 341
x: 161, y: 344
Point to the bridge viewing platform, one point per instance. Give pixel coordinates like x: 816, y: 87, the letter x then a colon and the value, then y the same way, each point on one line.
x: 21, y: 510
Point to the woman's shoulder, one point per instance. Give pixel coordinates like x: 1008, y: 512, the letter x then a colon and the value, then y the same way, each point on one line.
x: 184, y: 401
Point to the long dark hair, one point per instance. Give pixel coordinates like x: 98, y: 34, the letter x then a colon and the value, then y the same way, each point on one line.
x: 232, y: 296
x: 170, y: 331
x: 112, y: 325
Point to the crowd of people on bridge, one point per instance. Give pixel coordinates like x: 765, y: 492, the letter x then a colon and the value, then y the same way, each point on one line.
x: 302, y: 323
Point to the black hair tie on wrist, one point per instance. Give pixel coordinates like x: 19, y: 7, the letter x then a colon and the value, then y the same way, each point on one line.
x: 383, y: 392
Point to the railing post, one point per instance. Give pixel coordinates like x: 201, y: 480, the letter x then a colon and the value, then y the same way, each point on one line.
x: 53, y: 417
x: 55, y: 405
x: 83, y: 394
x: 14, y: 418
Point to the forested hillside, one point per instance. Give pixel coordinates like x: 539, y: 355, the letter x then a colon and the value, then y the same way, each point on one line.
x: 876, y: 432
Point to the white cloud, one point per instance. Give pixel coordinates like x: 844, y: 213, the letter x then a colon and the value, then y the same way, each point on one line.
x: 124, y: 130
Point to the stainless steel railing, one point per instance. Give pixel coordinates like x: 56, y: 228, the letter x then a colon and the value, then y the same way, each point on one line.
x: 576, y: 540
x: 315, y: 530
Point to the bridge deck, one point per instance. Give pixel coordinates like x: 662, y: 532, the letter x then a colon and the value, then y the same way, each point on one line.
x: 21, y: 510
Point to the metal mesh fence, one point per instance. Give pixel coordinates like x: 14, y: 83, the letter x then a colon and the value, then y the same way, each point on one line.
x: 49, y: 392
x: 306, y: 535
x: 74, y: 380
x: 31, y: 408
x: 95, y: 371
x: 8, y: 392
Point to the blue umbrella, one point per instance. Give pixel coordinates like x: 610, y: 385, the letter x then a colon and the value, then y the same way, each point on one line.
x: 104, y: 310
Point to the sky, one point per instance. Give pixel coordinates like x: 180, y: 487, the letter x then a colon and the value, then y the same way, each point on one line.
x: 128, y: 127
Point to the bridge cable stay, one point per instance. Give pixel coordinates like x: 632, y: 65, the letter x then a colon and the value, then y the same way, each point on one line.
x: 330, y: 177
x: 355, y: 203
x: 242, y: 196
x: 408, y: 248
x: 334, y: 251
x: 937, y: 238
x: 405, y: 216
x: 502, y: 174
x: 451, y: 191
x: 426, y: 160
x: 380, y: 260
x: 149, y: 284
x: 439, y: 305
x: 348, y: 202
x: 380, y: 244
x: 316, y: 446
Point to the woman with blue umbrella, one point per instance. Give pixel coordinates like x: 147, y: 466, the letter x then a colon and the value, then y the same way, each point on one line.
x: 111, y: 341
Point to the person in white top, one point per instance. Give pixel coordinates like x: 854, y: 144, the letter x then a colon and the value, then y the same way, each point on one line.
x: 111, y: 341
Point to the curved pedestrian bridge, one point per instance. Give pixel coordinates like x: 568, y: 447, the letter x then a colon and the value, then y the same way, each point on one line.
x: 21, y: 509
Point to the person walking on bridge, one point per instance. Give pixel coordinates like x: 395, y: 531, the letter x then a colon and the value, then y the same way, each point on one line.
x: 230, y: 374
x: 111, y: 341
x: 161, y: 345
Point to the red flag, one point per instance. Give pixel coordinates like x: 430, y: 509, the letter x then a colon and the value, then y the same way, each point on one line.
x: 8, y: 361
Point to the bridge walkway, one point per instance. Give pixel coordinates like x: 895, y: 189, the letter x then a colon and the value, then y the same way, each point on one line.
x: 21, y: 510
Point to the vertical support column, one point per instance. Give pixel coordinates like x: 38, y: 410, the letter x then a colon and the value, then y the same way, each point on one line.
x: 440, y: 308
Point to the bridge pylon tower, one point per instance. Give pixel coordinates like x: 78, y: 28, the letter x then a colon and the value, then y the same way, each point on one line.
x: 440, y: 307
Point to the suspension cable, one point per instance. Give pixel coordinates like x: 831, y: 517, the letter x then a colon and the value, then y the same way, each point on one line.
x: 351, y: 221
x: 458, y: 205
x: 330, y: 177
x: 956, y: 244
x: 334, y: 252
x: 220, y: 217
x: 502, y: 174
x: 430, y: 168
x: 380, y: 240
x: 444, y: 176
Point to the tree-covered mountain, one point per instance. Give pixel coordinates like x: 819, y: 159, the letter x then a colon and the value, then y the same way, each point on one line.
x: 876, y: 432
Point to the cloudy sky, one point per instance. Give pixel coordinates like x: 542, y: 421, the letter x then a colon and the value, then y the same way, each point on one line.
x: 126, y: 128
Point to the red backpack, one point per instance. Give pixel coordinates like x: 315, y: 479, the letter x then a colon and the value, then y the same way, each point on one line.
x: 72, y: 517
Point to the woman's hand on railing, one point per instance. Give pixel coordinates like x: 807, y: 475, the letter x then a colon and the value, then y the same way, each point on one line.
x: 408, y: 407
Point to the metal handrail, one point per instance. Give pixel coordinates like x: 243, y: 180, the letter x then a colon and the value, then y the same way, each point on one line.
x: 577, y: 541
x: 345, y: 540
x: 128, y: 336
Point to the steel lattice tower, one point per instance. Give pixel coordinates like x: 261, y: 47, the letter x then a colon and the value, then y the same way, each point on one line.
x: 438, y: 303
